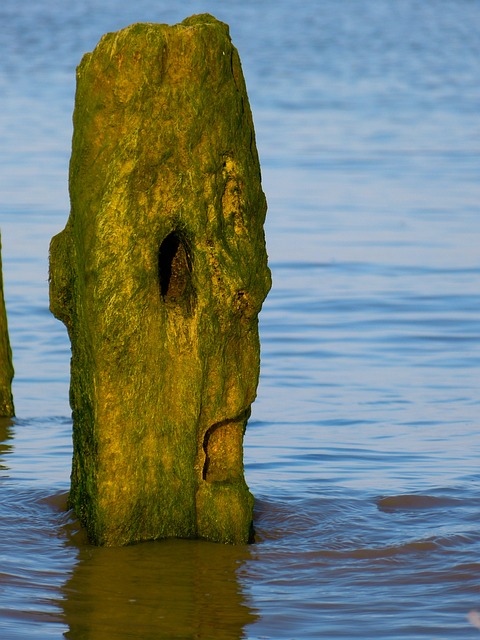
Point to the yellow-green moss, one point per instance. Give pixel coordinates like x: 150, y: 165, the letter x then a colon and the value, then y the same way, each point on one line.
x: 159, y: 276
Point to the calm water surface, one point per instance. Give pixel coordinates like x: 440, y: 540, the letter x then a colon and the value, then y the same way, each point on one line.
x: 363, y: 448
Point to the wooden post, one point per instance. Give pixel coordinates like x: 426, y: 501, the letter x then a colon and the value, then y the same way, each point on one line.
x: 159, y: 276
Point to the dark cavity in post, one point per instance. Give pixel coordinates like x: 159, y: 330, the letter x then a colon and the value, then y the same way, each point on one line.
x: 174, y: 268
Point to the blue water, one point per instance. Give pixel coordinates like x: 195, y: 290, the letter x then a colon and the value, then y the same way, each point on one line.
x: 363, y: 448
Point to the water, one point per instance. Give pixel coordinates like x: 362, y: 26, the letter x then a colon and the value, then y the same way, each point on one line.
x: 363, y: 446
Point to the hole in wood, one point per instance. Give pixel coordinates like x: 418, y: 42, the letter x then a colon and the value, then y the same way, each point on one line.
x: 223, y: 448
x: 174, y: 268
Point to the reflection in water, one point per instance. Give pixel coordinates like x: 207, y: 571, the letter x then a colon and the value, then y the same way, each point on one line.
x: 5, y: 435
x: 168, y: 589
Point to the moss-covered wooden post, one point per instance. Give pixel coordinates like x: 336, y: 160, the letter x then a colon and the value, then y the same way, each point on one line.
x: 6, y: 367
x: 159, y: 276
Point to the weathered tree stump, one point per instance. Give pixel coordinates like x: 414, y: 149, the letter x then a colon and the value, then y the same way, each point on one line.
x: 6, y: 367
x: 159, y: 276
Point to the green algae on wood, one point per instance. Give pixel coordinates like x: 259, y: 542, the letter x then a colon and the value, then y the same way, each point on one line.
x: 6, y: 367
x: 159, y: 276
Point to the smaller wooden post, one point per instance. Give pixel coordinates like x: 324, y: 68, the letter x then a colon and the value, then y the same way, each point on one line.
x: 6, y: 367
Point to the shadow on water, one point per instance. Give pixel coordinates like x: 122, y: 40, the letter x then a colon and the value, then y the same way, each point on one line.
x: 167, y: 589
